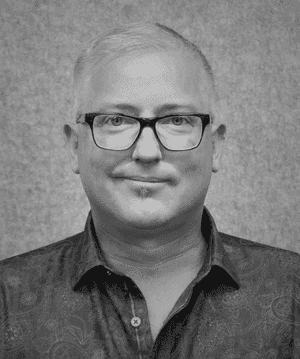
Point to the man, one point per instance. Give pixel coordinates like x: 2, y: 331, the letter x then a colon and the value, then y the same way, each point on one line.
x: 150, y: 276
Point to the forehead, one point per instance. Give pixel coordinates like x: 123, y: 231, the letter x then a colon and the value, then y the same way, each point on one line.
x: 147, y: 79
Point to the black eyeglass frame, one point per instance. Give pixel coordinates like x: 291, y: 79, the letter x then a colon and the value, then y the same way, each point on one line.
x: 145, y: 122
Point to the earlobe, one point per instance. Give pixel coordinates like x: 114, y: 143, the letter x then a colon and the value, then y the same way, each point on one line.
x: 218, y: 139
x: 72, y: 142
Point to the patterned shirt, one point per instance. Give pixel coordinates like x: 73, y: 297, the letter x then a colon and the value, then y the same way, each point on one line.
x: 63, y: 301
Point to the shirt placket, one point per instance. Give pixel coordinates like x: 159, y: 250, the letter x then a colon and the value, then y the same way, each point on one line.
x: 140, y: 321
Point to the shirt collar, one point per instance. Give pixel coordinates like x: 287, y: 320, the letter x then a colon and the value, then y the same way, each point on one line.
x: 216, y: 255
x: 88, y: 253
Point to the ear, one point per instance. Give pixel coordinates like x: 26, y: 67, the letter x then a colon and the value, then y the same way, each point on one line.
x: 72, y: 141
x: 218, y: 139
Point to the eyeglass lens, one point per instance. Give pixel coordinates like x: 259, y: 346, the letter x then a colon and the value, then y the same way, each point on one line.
x: 119, y: 132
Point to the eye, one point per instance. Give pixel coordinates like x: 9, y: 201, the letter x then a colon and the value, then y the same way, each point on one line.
x: 178, y: 120
x: 111, y: 120
x: 115, y: 120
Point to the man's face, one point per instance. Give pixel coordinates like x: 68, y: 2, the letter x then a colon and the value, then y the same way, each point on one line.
x: 145, y: 85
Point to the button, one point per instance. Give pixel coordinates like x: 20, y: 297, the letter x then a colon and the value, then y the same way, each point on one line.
x: 135, y: 322
x: 108, y: 272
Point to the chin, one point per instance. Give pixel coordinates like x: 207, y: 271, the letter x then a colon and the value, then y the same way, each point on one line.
x: 146, y: 213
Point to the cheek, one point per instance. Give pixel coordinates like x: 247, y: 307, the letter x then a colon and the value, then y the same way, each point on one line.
x: 98, y: 164
x: 192, y: 168
x: 92, y: 160
x: 199, y: 163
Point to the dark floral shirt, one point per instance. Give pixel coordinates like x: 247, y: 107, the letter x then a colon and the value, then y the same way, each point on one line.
x: 63, y: 302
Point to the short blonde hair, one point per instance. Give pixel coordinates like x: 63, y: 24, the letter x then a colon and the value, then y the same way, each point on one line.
x: 125, y: 39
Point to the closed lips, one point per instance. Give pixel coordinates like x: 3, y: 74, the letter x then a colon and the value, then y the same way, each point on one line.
x: 145, y: 179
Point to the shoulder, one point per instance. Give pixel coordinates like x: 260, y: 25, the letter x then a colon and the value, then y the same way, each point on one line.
x: 38, y: 260
x: 245, y: 253
x: 237, y: 242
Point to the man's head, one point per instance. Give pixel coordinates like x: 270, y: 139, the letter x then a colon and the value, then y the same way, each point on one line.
x: 130, y: 39
x: 144, y: 70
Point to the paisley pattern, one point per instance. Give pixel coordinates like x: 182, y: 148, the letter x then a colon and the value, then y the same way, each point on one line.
x: 63, y: 301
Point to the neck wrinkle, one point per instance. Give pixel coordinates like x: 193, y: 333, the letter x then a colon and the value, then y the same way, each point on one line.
x: 187, y: 256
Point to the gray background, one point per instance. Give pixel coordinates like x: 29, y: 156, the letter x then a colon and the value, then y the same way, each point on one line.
x: 253, y: 47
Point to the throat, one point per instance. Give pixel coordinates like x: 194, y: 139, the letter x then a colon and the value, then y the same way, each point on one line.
x: 154, y: 259
x: 189, y: 259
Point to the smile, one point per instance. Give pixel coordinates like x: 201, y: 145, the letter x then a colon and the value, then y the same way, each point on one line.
x: 146, y: 180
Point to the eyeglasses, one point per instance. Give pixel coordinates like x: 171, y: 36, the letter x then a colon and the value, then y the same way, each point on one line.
x: 119, y: 132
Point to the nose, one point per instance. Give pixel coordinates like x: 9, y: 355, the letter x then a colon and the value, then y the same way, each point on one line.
x: 147, y: 148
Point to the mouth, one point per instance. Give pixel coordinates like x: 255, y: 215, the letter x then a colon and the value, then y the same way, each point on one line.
x: 146, y: 179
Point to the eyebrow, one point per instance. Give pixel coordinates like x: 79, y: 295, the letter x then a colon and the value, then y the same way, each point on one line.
x: 159, y: 109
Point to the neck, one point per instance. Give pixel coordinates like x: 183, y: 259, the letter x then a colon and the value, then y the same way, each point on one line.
x: 151, y: 253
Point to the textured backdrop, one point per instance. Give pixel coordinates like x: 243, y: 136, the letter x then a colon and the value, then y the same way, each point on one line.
x: 253, y: 47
